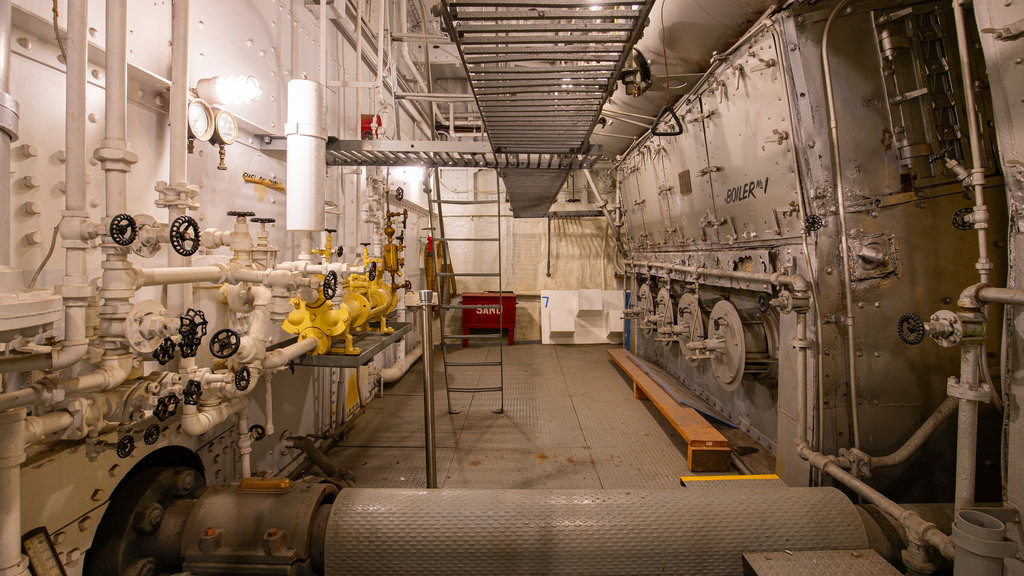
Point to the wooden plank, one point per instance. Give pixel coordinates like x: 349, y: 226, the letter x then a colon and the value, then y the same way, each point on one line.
x: 707, y: 449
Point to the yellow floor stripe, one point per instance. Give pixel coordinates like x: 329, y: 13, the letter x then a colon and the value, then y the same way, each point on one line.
x: 730, y: 477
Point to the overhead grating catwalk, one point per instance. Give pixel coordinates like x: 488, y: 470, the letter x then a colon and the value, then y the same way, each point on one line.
x: 540, y: 71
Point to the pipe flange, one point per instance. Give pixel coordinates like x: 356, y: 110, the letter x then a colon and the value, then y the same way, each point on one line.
x: 9, y: 115
x: 980, y: 533
x: 969, y: 299
x: 982, y: 393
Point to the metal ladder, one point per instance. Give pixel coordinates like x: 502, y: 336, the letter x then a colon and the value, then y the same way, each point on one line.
x: 443, y: 277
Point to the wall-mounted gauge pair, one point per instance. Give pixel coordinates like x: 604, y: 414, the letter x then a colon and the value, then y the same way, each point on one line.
x: 206, y: 124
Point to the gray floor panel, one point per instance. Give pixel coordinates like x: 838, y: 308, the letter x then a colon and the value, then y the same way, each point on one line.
x: 398, y: 421
x: 376, y: 467
x: 560, y: 468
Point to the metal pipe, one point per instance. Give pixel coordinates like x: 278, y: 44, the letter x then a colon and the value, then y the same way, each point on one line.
x: 980, y: 214
x: 794, y: 281
x: 426, y: 303
x: 920, y: 435
x: 837, y: 174
x: 1011, y: 296
x: 5, y: 138
x: 179, y: 297
x: 12, y: 454
x: 316, y: 456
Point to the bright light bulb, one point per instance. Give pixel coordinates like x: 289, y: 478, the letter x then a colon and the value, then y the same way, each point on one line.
x: 595, y: 7
x: 228, y: 90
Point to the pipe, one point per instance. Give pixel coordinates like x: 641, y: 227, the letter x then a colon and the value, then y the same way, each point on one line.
x: 38, y: 426
x: 282, y: 356
x: 5, y: 137
x: 112, y: 373
x: 395, y: 372
x: 316, y: 456
x: 795, y: 281
x: 244, y: 444
x: 1009, y: 296
x: 179, y: 297
x: 914, y: 443
x: 837, y: 172
x: 198, y: 420
x: 12, y: 454
x: 980, y: 214
x: 426, y: 302
x: 21, y: 397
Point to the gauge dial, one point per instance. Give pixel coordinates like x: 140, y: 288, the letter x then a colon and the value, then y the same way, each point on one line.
x: 200, y: 120
x: 227, y: 128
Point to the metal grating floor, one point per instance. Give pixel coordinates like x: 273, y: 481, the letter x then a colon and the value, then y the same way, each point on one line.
x: 570, y: 421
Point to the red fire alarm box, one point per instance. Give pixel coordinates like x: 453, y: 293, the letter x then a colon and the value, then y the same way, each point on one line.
x: 489, y: 318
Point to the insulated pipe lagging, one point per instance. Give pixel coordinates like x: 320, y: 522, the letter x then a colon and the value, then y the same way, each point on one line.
x: 680, y: 531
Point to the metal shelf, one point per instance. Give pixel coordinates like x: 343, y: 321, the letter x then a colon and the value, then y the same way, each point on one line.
x: 371, y: 343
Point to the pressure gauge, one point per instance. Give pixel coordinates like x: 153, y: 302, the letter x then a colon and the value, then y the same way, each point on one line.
x: 41, y: 554
x: 226, y: 128
x: 200, y: 120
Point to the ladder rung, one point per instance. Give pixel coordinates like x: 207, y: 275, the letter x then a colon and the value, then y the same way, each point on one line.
x: 472, y: 336
x: 492, y: 363
x: 478, y: 274
x: 472, y: 306
x: 464, y: 202
x: 467, y: 239
x: 498, y: 389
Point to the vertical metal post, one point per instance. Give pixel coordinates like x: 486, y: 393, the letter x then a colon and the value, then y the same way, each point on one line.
x: 426, y: 301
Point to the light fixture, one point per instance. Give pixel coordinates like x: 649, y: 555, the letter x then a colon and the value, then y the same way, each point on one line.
x: 229, y: 90
x: 200, y: 122
x: 225, y: 132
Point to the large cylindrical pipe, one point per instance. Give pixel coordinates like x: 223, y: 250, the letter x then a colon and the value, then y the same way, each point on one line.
x: 12, y: 454
x: 307, y: 140
x: 381, y: 531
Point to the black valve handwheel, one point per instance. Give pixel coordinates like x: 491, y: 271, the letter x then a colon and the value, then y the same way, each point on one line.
x: 340, y: 251
x: 813, y: 223
x: 243, y: 377
x: 371, y: 273
x: 911, y: 328
x: 399, y: 193
x: 407, y: 285
x: 258, y: 432
x: 193, y: 324
x: 123, y: 229
x: 224, y: 343
x: 151, y: 435
x: 764, y: 303
x: 960, y: 219
x: 185, y: 235
x: 166, y: 406
x: 164, y: 353
x: 189, y: 348
x: 330, y: 285
x: 125, y: 446
x: 261, y: 220
x: 192, y: 392
x: 330, y: 230
x: 241, y: 213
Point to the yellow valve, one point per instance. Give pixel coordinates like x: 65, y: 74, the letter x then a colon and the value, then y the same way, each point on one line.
x: 328, y: 250
x: 321, y: 320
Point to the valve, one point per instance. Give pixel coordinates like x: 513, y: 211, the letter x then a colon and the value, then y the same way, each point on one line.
x: 341, y: 251
x: 241, y: 213
x: 125, y: 446
x: 911, y: 328
x: 399, y: 193
x: 224, y: 343
x: 192, y: 328
x: 962, y: 220
x: 123, y: 230
x: 407, y: 285
x: 764, y: 303
x: 813, y: 223
x: 192, y: 392
x: 164, y: 352
x: 166, y: 406
x: 371, y: 272
x: 151, y: 435
x: 258, y: 432
x: 185, y: 235
x: 261, y: 220
x: 330, y: 285
x: 243, y: 377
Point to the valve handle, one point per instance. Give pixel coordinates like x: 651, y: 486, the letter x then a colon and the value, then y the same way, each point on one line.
x: 407, y: 285
x: 399, y: 193
x: 960, y: 219
x: 258, y: 432
x: 330, y: 285
x: 330, y: 230
x: 241, y: 213
x: 193, y: 324
x: 764, y: 303
x: 189, y: 348
x: 340, y: 251
x: 261, y: 220
x: 911, y: 329
x: 125, y: 446
x: 192, y: 392
x: 669, y: 112
x: 371, y: 272
x: 185, y: 235
x: 243, y: 377
x: 123, y: 230
x: 224, y: 343
x: 151, y: 435
x: 166, y: 406
x: 813, y: 223
x: 164, y: 353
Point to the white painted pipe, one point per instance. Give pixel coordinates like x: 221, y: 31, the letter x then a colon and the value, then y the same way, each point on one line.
x: 268, y: 400
x: 38, y: 426
x: 306, y: 130
x: 179, y: 297
x: 198, y: 420
x: 116, y: 101
x: 282, y: 356
x: 5, y: 138
x: 244, y: 443
x: 12, y: 454
x: 395, y: 372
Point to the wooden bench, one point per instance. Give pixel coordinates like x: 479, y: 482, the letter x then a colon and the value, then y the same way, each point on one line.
x: 707, y: 450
